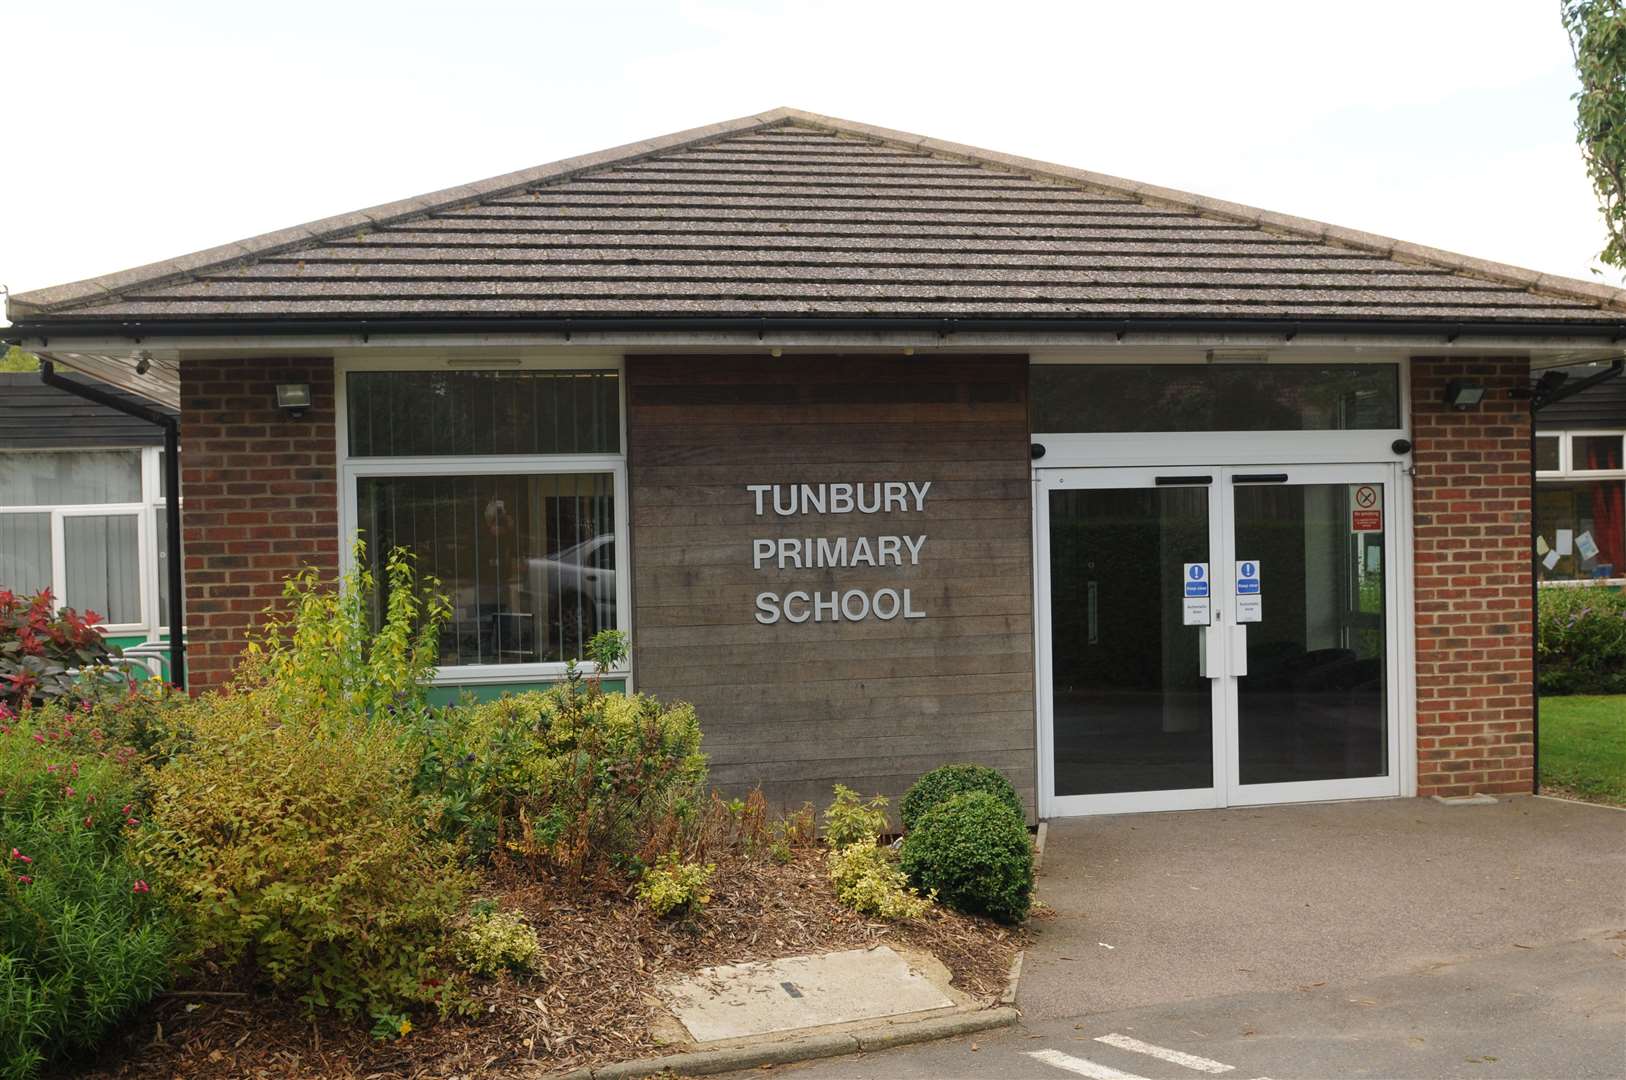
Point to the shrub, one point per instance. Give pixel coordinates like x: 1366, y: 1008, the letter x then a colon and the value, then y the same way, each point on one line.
x: 42, y: 649
x: 974, y: 854
x: 492, y: 942
x: 297, y: 846
x: 83, y: 941
x: 579, y: 780
x: 868, y: 881
x: 848, y: 821
x: 1581, y: 641
x: 944, y: 783
x: 674, y: 887
x: 365, y: 649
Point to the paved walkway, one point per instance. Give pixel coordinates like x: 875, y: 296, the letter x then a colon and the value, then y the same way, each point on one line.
x: 1207, y: 903
x: 1385, y: 939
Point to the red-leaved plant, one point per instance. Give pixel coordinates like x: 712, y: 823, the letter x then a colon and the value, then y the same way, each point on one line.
x: 42, y: 648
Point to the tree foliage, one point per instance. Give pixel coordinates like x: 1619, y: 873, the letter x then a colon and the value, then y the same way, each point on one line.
x: 1597, y: 31
x: 17, y: 360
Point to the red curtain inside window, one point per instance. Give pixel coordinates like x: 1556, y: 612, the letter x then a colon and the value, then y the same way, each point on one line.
x: 1608, y: 520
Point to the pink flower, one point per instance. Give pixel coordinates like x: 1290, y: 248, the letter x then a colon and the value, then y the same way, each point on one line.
x: 52, y: 768
x: 67, y: 792
x: 140, y: 887
x: 38, y: 737
x: 19, y: 856
x: 24, y: 879
x: 73, y: 767
x: 132, y: 821
x: 88, y: 822
x: 126, y: 810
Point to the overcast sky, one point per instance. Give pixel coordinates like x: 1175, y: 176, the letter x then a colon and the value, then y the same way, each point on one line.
x: 141, y: 131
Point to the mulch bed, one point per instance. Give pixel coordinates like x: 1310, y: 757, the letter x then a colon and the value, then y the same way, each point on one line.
x: 592, y: 1005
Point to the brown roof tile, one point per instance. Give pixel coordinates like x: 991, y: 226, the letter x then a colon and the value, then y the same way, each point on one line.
x: 794, y: 215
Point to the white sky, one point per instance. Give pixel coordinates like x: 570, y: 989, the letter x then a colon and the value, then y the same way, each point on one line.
x: 143, y: 131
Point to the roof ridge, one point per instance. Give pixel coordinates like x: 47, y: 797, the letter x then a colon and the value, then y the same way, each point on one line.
x: 1399, y: 250
x: 279, y: 241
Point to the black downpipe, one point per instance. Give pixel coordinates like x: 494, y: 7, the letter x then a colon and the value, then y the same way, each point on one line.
x: 172, y: 504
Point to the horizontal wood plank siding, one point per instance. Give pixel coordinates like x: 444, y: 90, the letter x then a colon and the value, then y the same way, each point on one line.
x: 798, y: 708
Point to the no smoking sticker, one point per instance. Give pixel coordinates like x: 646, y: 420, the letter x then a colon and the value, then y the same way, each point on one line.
x: 1365, y: 508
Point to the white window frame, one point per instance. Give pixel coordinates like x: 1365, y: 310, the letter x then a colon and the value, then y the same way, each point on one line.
x: 352, y: 469
x: 146, y: 536
x: 1567, y: 472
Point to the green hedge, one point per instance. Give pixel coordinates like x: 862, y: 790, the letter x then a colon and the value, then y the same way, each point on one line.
x: 942, y: 784
x: 1581, y: 642
x: 973, y: 852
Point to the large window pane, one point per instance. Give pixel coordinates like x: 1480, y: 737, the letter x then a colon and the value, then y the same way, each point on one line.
x: 1313, y: 704
x: 1580, y: 528
x: 407, y: 413
x: 70, y: 477
x: 103, y: 571
x: 1547, y: 459
x: 25, y: 552
x: 527, y: 561
x: 1214, y: 397
x: 1132, y: 711
x: 161, y: 520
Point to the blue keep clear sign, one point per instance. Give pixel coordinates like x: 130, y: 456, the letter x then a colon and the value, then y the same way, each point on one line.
x: 1196, y: 579
x: 1247, y: 577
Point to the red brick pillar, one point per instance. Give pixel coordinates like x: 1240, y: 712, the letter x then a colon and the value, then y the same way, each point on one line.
x: 1471, y: 504
x: 261, y: 498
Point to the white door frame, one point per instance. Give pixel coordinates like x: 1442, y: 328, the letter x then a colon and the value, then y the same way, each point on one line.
x: 1400, y: 683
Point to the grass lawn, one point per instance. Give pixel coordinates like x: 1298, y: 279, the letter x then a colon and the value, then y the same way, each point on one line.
x: 1583, y: 747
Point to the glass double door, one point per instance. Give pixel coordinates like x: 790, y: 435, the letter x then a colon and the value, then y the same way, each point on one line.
x: 1216, y: 636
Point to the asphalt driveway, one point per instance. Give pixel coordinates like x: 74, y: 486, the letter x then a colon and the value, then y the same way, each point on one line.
x: 1156, y: 908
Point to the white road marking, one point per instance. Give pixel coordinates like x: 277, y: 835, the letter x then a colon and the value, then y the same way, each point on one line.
x: 1081, y: 1066
x: 1174, y: 1057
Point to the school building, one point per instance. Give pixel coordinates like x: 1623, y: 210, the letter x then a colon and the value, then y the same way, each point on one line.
x: 889, y: 452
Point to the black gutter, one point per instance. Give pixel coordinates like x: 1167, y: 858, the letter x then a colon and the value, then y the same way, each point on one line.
x: 172, y: 504
x: 1539, y: 401
x: 47, y: 328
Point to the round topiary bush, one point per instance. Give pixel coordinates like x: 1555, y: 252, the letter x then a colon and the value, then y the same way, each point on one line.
x: 973, y: 850
x: 942, y: 784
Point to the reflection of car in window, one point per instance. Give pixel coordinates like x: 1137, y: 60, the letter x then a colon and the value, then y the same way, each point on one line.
x: 575, y: 589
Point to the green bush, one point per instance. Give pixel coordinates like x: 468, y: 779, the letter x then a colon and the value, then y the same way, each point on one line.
x: 944, y: 783
x: 582, y: 781
x: 973, y: 852
x: 673, y: 886
x: 492, y: 942
x: 868, y: 880
x: 367, y: 648
x: 1581, y: 640
x: 83, y: 940
x: 293, y: 842
x: 848, y: 821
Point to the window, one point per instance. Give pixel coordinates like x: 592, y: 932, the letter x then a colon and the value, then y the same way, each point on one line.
x: 1215, y: 397
x: 1581, y: 506
x: 73, y: 521
x: 508, y: 487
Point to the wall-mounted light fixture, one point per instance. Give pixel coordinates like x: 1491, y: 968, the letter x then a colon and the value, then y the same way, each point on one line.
x: 294, y: 398
x: 1463, y: 394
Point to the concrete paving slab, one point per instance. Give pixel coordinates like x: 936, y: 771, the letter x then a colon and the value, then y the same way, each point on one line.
x: 1158, y: 908
x: 742, y: 1000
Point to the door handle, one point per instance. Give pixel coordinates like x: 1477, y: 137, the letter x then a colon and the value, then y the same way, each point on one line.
x: 1239, y: 649
x: 1210, y: 654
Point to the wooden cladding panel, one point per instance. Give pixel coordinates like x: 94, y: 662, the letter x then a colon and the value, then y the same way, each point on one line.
x: 798, y: 708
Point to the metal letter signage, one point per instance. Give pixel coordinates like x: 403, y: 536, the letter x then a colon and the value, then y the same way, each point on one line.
x: 840, y: 552
x: 1249, y: 597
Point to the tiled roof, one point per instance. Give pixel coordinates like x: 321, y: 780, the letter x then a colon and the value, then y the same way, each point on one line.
x: 36, y: 416
x: 793, y: 215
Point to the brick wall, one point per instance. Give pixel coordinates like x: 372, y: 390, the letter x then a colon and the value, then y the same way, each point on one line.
x: 1474, y: 634
x: 261, y: 497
